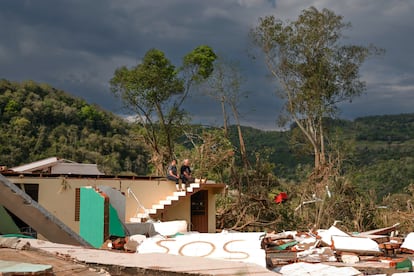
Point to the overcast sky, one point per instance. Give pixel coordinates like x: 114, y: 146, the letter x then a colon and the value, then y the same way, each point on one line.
x: 76, y: 46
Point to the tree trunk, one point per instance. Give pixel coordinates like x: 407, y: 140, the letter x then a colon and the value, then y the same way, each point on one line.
x: 316, y: 160
x: 241, y: 140
x: 166, y: 131
x: 322, y: 143
x: 223, y: 109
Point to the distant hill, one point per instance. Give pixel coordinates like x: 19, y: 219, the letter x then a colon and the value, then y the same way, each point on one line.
x: 380, y: 155
x: 38, y: 121
x: 384, y: 159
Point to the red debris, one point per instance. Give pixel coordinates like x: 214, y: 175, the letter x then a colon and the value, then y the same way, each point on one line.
x: 281, y: 197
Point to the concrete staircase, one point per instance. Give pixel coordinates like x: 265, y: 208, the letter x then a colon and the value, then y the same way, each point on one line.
x: 157, y: 208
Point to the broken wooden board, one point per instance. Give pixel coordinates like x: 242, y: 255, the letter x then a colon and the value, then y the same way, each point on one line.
x: 381, y: 231
x: 280, y: 257
x: 376, y: 238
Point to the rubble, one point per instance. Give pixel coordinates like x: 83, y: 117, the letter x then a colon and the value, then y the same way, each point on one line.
x: 300, y: 269
x: 331, y: 251
x: 14, y: 242
x: 367, y: 253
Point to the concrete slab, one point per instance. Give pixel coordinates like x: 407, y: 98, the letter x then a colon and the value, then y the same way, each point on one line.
x: 231, y: 246
x: 152, y: 262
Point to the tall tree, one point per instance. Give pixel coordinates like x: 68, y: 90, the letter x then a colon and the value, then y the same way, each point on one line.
x: 225, y: 86
x: 315, y: 71
x: 155, y: 91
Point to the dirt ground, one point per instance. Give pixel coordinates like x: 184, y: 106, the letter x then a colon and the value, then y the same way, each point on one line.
x: 60, y: 266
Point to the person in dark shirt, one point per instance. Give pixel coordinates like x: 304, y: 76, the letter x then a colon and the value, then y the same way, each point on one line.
x: 172, y: 173
x: 185, y: 173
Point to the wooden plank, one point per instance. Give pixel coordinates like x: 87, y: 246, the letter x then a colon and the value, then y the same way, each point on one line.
x: 381, y: 231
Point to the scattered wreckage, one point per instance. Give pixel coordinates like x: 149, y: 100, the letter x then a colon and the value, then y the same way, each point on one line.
x: 320, y: 252
x: 371, y: 252
x: 289, y: 252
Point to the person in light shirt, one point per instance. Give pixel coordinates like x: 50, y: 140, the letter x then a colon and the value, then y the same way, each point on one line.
x: 185, y: 173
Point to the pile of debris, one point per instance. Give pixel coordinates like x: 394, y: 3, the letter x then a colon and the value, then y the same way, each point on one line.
x: 381, y: 250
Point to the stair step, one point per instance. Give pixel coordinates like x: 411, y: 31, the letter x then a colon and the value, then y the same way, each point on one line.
x: 158, y: 206
x: 152, y: 211
x: 195, y: 185
x: 139, y: 217
x: 165, y: 202
x: 179, y: 193
x: 172, y: 198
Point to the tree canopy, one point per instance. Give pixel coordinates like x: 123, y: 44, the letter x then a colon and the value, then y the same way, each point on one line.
x: 154, y: 91
x: 315, y: 70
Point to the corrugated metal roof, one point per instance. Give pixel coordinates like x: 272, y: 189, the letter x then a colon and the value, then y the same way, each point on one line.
x: 76, y: 168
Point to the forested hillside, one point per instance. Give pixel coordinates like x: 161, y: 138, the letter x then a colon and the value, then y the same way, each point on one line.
x: 272, y: 146
x: 38, y: 121
x: 378, y: 151
x: 384, y: 153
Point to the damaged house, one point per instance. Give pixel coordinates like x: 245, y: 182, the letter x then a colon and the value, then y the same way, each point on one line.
x: 96, y: 206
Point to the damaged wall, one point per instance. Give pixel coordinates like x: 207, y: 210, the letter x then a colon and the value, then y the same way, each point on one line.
x: 98, y: 219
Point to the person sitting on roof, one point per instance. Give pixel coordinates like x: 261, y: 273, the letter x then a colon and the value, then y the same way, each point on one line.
x: 172, y: 173
x: 185, y: 171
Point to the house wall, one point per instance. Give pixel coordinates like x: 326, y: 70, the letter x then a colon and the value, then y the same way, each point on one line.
x: 211, y: 211
x: 180, y: 211
x: 7, y: 225
x: 92, y: 217
x: 98, y: 218
x: 57, y: 195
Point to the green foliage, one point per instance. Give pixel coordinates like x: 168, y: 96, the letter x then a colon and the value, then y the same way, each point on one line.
x: 390, y: 128
x: 200, y: 62
x: 385, y: 176
x: 307, y: 57
x: 148, y: 85
x: 315, y: 69
x: 154, y: 91
x: 212, y: 154
x: 272, y: 146
x: 39, y: 121
x: 378, y: 164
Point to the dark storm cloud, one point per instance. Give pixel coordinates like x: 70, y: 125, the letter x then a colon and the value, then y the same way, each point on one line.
x: 77, y: 45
